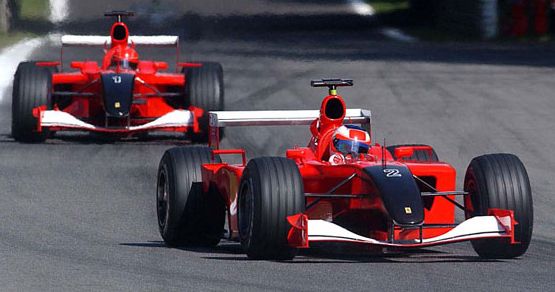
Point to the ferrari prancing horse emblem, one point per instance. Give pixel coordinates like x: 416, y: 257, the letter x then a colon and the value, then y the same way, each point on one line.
x: 408, y: 210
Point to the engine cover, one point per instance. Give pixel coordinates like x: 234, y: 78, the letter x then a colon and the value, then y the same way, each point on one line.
x: 118, y: 93
x: 400, y: 193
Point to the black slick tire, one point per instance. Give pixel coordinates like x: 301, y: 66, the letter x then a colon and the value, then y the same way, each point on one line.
x: 500, y: 181
x: 31, y: 88
x: 186, y: 215
x: 271, y: 189
x: 418, y: 155
x: 204, y: 88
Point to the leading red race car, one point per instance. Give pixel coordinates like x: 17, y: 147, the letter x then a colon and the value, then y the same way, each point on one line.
x: 339, y: 188
x: 120, y: 97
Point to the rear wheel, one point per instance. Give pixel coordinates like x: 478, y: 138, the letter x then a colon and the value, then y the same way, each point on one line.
x: 186, y: 215
x: 271, y: 189
x: 500, y: 181
x: 204, y: 88
x: 31, y: 88
x: 418, y: 155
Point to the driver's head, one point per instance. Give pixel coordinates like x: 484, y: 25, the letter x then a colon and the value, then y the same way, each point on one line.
x: 126, y: 58
x: 350, y: 139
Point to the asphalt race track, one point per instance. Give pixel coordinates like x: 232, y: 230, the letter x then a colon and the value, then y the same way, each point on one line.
x: 78, y: 214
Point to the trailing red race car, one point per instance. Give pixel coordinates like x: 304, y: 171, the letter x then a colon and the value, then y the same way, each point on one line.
x: 121, y: 96
x: 339, y: 188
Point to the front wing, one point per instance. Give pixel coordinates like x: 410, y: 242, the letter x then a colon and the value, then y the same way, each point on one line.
x: 499, y: 224
x: 177, y: 119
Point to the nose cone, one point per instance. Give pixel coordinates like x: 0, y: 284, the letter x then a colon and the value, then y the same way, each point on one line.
x: 118, y: 93
x: 399, y: 192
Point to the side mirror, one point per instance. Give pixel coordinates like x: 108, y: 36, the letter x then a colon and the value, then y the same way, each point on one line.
x: 76, y: 64
x: 295, y: 154
x: 87, y: 67
x: 403, y: 153
x: 161, y: 65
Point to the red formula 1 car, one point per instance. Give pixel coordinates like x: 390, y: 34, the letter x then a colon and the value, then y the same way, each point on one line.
x: 121, y: 96
x: 339, y: 189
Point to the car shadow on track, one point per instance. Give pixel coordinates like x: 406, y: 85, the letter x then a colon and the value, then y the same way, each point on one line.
x: 225, y: 247
x: 232, y: 251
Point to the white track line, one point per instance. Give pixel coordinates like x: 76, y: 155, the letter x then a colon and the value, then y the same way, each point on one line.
x: 362, y: 8
x: 10, y: 58
x: 59, y: 10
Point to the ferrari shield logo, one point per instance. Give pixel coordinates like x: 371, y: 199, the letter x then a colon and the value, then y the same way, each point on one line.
x: 117, y: 104
x: 408, y: 210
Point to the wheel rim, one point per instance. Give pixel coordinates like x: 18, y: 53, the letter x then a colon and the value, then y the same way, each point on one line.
x: 246, y: 213
x: 162, y: 198
x: 470, y: 187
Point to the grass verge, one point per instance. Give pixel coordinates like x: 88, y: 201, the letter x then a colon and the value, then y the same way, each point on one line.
x: 29, y: 11
x: 388, y: 6
x: 34, y: 9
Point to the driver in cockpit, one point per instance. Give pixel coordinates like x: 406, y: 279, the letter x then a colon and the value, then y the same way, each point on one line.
x: 349, y: 142
x: 126, y: 59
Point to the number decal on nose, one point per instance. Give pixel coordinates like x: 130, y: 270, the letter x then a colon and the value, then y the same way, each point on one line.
x: 117, y: 79
x: 391, y: 172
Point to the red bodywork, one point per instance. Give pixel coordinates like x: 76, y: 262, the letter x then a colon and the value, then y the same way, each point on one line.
x: 79, y: 93
x: 357, y: 207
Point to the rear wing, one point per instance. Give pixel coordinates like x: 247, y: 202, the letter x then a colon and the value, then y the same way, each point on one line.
x: 106, y: 41
x: 98, y: 40
x: 222, y: 119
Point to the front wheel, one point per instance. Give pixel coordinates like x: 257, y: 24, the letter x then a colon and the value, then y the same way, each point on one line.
x: 186, y: 215
x: 31, y: 88
x: 500, y: 181
x: 271, y: 189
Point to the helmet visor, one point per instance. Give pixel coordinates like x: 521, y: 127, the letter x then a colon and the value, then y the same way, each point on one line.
x: 350, y: 146
x: 124, y: 64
